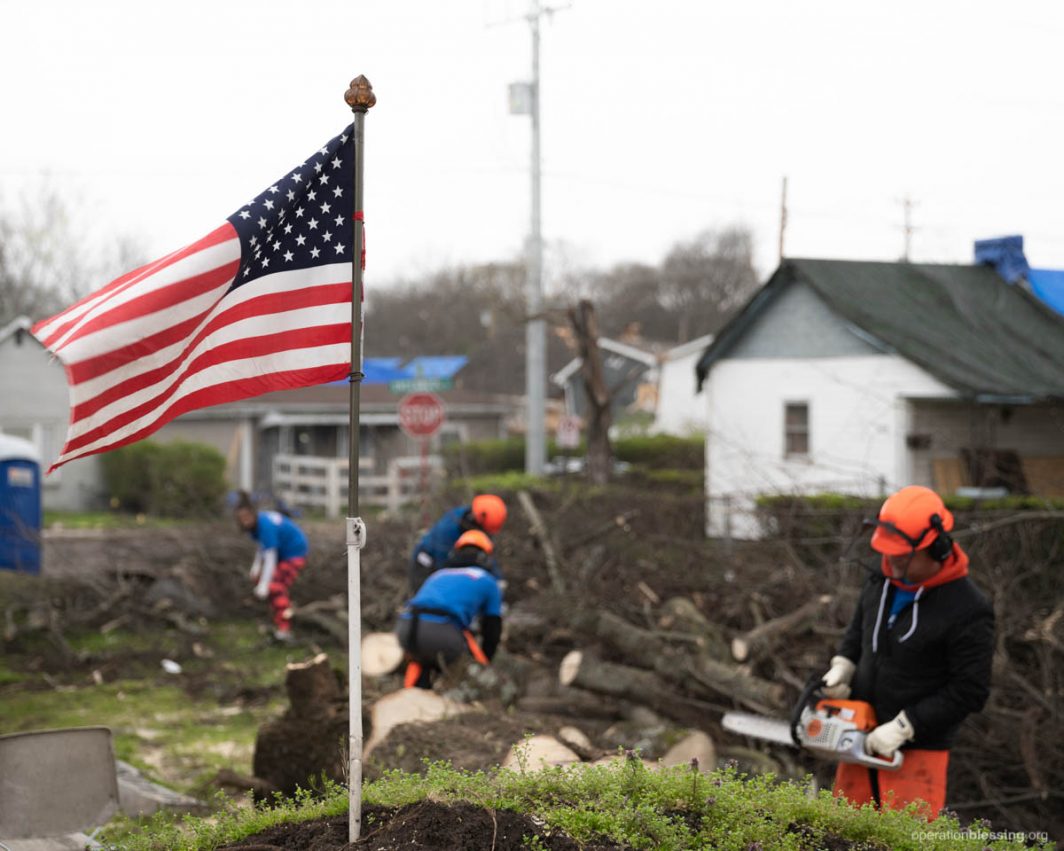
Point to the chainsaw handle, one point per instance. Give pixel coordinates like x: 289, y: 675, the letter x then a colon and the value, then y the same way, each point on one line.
x: 853, y: 745
x: 809, y: 696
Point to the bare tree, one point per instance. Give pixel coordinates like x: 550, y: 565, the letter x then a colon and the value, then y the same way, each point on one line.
x: 47, y: 261
x: 599, y: 451
x: 694, y: 291
x: 705, y: 279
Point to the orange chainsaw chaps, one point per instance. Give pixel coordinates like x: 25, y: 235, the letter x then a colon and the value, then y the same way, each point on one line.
x: 474, y: 648
x: 412, y: 675
x: 922, y: 777
x: 859, y: 712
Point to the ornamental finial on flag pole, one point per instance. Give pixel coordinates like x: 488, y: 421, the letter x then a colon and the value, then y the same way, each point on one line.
x: 359, y: 95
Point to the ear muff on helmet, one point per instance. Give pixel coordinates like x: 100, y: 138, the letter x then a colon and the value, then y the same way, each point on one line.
x: 942, y: 545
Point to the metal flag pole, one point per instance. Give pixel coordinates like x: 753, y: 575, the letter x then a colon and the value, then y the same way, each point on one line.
x: 360, y: 98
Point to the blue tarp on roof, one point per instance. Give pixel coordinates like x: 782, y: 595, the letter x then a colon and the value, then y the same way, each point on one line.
x: 381, y: 371
x: 1048, y: 285
x: 435, y: 366
x: 385, y: 370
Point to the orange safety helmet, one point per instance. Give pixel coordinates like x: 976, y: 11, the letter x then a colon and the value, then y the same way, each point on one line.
x: 911, y: 519
x: 474, y: 538
x: 489, y: 512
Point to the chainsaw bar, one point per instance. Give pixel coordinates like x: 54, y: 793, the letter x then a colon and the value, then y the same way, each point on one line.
x: 759, y: 727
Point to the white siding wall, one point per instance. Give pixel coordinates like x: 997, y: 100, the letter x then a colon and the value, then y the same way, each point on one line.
x: 858, y: 419
x: 34, y: 404
x: 680, y: 410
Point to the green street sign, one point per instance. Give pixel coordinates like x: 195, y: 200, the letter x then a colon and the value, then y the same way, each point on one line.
x: 419, y: 385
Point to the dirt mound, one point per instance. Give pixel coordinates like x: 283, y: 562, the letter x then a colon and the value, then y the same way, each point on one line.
x: 461, y: 827
x: 474, y: 741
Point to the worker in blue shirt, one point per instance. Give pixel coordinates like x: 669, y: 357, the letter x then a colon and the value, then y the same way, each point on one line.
x: 281, y: 555
x: 435, y: 628
x: 487, y: 513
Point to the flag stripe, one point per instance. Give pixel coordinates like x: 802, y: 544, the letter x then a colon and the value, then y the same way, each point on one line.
x: 231, y: 391
x: 308, y: 309
x: 257, y: 364
x: 163, y: 347
x: 120, y: 323
x: 51, y: 332
x: 203, y: 294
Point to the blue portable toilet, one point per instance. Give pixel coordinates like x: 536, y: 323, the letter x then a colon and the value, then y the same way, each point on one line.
x: 20, y: 505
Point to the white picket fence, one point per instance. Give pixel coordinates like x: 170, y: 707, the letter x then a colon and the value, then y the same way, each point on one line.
x: 321, y: 483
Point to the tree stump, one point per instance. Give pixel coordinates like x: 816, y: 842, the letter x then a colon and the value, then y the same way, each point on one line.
x: 310, y: 739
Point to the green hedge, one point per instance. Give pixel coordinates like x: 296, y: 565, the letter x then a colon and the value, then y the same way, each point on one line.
x: 489, y: 457
x: 177, y: 479
x: 820, y: 519
x: 845, y: 502
x: 662, y: 452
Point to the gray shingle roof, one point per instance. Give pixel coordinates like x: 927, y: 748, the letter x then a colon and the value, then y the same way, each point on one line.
x: 962, y: 324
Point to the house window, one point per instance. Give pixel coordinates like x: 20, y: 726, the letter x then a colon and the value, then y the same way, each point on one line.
x: 796, y: 429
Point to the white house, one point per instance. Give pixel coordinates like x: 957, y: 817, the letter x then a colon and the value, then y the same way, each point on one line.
x: 859, y: 378
x: 35, y: 405
x: 681, y: 409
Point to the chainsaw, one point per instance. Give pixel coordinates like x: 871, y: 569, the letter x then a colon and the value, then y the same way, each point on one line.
x: 831, y: 729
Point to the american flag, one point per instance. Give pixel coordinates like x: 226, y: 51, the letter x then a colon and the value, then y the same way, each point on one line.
x: 261, y: 303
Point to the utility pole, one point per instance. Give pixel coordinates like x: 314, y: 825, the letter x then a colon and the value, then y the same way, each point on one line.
x: 536, y: 333
x: 907, y: 228
x: 525, y: 100
x: 783, y: 215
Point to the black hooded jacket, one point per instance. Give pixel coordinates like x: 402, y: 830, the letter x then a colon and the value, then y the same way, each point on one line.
x: 934, y: 662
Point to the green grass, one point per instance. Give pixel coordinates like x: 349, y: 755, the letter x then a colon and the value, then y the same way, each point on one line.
x: 669, y: 810
x: 172, y: 737
x: 104, y: 520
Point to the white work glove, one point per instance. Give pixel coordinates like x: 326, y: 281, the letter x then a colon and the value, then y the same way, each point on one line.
x: 262, y: 592
x: 837, y: 679
x: 887, y: 738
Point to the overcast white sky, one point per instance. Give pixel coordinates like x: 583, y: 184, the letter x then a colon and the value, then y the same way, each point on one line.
x: 660, y: 119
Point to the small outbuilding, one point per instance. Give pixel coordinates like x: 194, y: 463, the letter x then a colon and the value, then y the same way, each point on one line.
x: 860, y: 377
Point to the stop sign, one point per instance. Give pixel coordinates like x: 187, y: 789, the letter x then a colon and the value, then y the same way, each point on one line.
x: 420, y: 414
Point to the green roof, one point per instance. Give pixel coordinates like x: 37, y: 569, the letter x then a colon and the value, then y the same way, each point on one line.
x: 964, y: 325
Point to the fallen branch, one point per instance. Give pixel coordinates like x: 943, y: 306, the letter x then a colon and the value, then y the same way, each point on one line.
x: 539, y: 531
x: 762, y: 639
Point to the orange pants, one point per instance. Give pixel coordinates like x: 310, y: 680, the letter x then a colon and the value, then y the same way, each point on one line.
x: 922, y: 777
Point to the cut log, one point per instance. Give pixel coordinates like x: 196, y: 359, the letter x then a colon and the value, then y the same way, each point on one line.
x: 696, y: 748
x: 696, y: 673
x: 407, y: 706
x: 584, y: 670
x: 571, y: 702
x: 381, y: 654
x: 680, y: 614
x: 539, y: 752
x: 311, y: 686
x: 762, y: 639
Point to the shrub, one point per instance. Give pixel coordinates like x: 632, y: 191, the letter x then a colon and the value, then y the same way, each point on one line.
x: 177, y: 479
x: 127, y: 474
x: 660, y: 452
